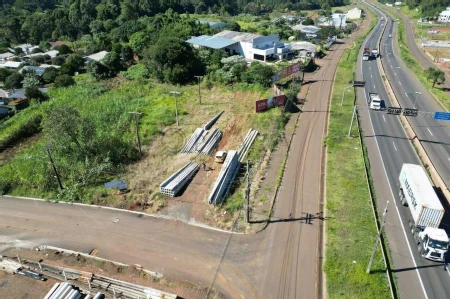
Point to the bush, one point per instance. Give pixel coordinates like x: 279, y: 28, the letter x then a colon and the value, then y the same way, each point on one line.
x: 50, y: 74
x: 14, y: 81
x: 136, y: 71
x: 59, y: 60
x: 64, y: 81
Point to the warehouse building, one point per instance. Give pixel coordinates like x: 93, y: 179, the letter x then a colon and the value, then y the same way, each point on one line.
x: 251, y: 46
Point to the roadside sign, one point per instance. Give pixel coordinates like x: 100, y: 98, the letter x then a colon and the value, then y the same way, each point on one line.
x: 442, y: 116
x: 410, y: 112
x: 359, y: 83
x: 394, y: 110
x: 121, y: 184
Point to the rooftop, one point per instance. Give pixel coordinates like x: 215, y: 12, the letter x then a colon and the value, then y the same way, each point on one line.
x: 97, y: 56
x: 52, y: 53
x: 11, y: 64
x: 237, y: 36
x: 306, y: 28
x: 213, y: 42
x: 6, y: 55
x: 39, y: 70
x: 304, y: 46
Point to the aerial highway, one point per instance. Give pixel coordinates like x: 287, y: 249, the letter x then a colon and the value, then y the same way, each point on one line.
x: 389, y: 148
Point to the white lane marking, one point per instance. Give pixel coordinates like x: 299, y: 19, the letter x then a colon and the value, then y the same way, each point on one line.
x: 448, y: 159
x: 399, y: 82
x: 430, y: 131
x: 374, y: 86
x: 406, y: 94
x: 384, y: 118
x: 371, y: 76
x: 394, y: 145
x: 396, y: 74
x: 398, y: 213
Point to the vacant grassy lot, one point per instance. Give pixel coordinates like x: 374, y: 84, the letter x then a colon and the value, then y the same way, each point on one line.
x: 351, y: 230
x: 107, y: 104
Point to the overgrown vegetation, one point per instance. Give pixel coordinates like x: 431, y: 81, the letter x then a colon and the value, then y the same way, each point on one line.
x: 350, y: 229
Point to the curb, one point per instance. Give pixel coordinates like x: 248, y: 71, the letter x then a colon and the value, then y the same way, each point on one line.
x: 190, y: 222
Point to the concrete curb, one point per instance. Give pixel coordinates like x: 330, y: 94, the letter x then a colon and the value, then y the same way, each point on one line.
x: 190, y: 222
x: 425, y: 159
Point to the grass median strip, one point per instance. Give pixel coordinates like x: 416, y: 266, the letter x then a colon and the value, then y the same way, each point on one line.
x: 350, y: 230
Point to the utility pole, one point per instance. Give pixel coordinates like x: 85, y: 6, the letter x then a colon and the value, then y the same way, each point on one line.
x: 247, y: 195
x: 138, y: 139
x: 47, y: 148
x: 175, y: 93
x: 378, y: 238
x: 199, y: 94
x: 351, y: 123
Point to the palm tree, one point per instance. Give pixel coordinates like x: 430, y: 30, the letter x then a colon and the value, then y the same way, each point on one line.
x: 435, y: 75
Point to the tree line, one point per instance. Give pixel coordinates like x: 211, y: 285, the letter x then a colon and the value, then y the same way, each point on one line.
x: 38, y: 20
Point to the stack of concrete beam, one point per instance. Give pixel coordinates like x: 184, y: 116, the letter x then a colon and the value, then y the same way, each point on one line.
x: 225, y: 179
x: 209, y: 124
x: 203, y: 142
x: 179, y: 179
x: 209, y: 143
x: 246, y: 144
x: 65, y: 290
x: 192, y: 142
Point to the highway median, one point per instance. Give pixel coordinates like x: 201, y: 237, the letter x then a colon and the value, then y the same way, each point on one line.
x: 350, y: 230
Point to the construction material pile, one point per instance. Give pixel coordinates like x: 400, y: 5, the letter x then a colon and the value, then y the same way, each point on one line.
x: 66, y: 290
x: 178, y: 180
x: 225, y: 179
x: 246, y: 144
x: 204, y: 142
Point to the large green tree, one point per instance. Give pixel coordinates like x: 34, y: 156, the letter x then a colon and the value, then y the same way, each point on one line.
x: 435, y: 75
x: 172, y: 60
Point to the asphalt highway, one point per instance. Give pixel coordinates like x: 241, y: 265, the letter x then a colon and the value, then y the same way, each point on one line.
x: 389, y: 148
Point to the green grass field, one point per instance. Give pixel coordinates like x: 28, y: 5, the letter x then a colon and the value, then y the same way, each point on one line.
x: 350, y: 230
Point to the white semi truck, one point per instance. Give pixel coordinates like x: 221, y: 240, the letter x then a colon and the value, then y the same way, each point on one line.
x: 374, y: 101
x: 418, y: 194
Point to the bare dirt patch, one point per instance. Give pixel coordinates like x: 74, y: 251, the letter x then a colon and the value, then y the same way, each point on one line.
x: 128, y: 274
x: 18, y: 286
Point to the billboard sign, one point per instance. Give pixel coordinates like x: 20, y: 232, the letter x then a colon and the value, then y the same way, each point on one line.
x: 286, y: 72
x: 272, y: 102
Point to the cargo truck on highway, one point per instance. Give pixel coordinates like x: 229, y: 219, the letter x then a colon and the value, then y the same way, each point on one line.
x: 366, y: 54
x: 418, y: 194
x: 375, y: 53
x: 374, y: 101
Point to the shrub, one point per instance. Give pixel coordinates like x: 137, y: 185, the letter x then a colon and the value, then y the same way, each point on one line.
x: 64, y: 81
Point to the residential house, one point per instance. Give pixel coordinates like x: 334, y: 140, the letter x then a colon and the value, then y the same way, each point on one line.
x: 11, y: 64
x: 6, y: 56
x: 251, y: 46
x: 51, y: 53
x: 44, y: 65
x: 59, y: 43
x: 354, y: 13
x: 95, y: 57
x: 37, y: 69
x: 444, y: 16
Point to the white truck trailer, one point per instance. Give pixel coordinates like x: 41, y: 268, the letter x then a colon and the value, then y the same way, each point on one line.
x: 375, y: 53
x: 366, y: 53
x: 374, y: 101
x: 427, y: 211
